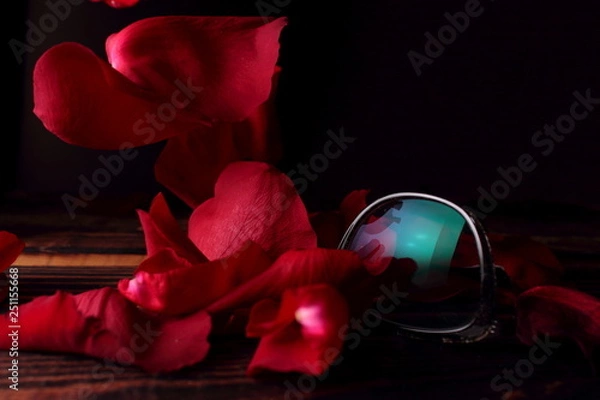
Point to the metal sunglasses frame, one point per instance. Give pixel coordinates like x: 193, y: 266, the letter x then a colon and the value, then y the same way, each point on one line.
x: 484, y: 323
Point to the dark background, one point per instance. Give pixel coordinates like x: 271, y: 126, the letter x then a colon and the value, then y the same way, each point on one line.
x: 345, y: 65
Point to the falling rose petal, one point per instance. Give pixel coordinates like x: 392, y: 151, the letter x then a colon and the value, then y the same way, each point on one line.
x: 118, y: 3
x: 168, y: 284
x: 10, y: 248
x: 295, y: 268
x: 229, y: 59
x: 211, y: 149
x: 162, y: 231
x: 330, y: 226
x: 304, y: 334
x: 353, y: 204
x: 253, y: 201
x: 85, y: 102
x: 102, y: 323
x: 562, y: 313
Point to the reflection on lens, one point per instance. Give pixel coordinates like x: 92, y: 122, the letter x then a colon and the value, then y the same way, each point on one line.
x: 443, y: 289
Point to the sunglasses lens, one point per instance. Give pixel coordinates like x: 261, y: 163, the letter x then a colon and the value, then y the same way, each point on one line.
x: 431, y: 251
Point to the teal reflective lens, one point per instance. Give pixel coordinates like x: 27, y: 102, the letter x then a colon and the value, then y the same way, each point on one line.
x: 435, y: 241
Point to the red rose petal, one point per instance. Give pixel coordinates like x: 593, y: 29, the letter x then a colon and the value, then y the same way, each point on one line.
x: 353, y: 204
x: 210, y: 150
x: 265, y: 316
x: 118, y: 3
x: 306, y: 335
x: 85, y: 102
x: 293, y: 269
x: 253, y: 202
x: 103, y: 324
x: 559, y: 312
x: 527, y: 262
x: 162, y: 231
x: 231, y: 58
x: 330, y: 226
x: 10, y: 248
x: 170, y: 285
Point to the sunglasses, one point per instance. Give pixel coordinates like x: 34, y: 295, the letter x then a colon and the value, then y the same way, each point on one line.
x: 444, y: 255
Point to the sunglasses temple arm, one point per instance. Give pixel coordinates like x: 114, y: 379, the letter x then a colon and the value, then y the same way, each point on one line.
x: 502, y: 279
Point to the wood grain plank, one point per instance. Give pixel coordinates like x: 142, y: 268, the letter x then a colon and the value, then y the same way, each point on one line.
x: 42, y: 260
x: 94, y: 252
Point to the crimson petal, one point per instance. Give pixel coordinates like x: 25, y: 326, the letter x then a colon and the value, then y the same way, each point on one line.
x: 103, y: 324
x: 162, y: 231
x: 168, y: 284
x: 85, y: 102
x: 330, y: 226
x: 527, y: 262
x: 231, y: 58
x: 305, y: 333
x: 209, y: 150
x: 293, y: 269
x: 353, y: 204
x: 559, y: 312
x: 253, y: 202
x: 10, y: 248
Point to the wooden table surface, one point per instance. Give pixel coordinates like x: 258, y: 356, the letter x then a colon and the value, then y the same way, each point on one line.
x: 95, y: 251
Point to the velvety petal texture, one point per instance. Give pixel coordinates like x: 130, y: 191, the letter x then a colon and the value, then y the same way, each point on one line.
x: 303, y: 333
x: 162, y: 231
x: 330, y: 226
x: 560, y: 313
x: 171, y: 285
x: 253, y: 202
x: 231, y: 58
x: 167, y: 76
x: 190, y: 164
x: 103, y: 324
x: 84, y: 101
x: 293, y: 269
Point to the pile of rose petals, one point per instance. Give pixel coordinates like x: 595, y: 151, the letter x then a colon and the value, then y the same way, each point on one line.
x: 251, y: 255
